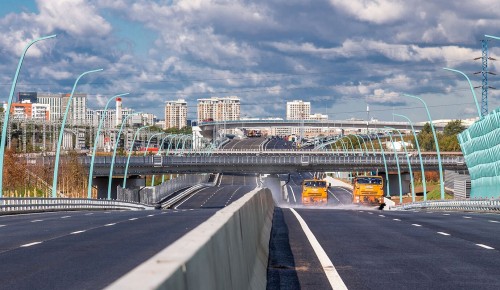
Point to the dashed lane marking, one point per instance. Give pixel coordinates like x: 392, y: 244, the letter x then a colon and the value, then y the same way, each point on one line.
x: 77, y: 232
x: 35, y: 221
x: 467, y: 217
x: 492, y: 221
x: 370, y: 212
x: 443, y: 233
x: 91, y: 213
x: 108, y: 225
x: 381, y: 215
x: 416, y: 225
x: 65, y: 217
x: 132, y: 219
x: 1, y: 226
x: 30, y: 244
x: 485, y: 246
x: 446, y: 214
x: 330, y: 271
x: 151, y: 215
x: 396, y: 220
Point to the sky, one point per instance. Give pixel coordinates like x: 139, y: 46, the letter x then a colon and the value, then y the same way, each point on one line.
x: 341, y: 56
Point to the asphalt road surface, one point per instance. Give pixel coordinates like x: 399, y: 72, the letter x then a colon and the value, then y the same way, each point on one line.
x: 85, y: 250
x: 373, y: 249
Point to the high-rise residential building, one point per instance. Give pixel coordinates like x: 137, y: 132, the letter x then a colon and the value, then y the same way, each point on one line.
x: 219, y: 109
x: 318, y: 117
x: 77, y: 114
x: 148, y: 119
x: 298, y: 110
x: 175, y: 114
x: 26, y: 110
x: 78, y: 110
x: 54, y: 102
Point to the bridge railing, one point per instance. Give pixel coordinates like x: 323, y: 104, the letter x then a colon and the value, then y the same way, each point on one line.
x: 22, y: 205
x: 462, y: 205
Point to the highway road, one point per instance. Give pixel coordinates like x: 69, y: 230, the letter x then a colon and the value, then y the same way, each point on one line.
x: 247, y: 143
x: 373, y: 249
x: 85, y: 250
x: 228, y: 189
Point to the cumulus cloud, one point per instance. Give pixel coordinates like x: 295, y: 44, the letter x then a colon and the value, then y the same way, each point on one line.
x: 376, y: 11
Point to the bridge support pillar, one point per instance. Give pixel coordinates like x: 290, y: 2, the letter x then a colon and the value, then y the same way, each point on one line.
x: 394, y: 183
x: 134, y: 181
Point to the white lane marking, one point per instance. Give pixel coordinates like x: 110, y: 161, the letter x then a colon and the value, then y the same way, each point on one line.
x: 396, y: 220
x: 345, y: 190
x: 334, y: 196
x: 213, y: 193
x: 361, y: 211
x: 151, y: 215
x: 30, y: 244
x: 77, y: 232
x: 65, y: 217
x: 370, y: 212
x: 189, y: 197
x: 1, y: 226
x: 132, y: 219
x: 330, y: 271
x: 446, y: 214
x: 485, y: 246
x: 89, y: 213
x: 293, y: 194
x: 110, y: 225
x: 35, y: 221
x: 107, y: 212
x: 381, y: 215
x: 416, y: 225
x: 229, y: 200
x: 491, y: 221
x: 444, y: 234
x: 467, y: 217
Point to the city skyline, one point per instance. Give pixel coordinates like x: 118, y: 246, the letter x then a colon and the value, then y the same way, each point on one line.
x: 339, y: 56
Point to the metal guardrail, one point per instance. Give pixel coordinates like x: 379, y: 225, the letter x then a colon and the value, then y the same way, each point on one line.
x: 21, y: 205
x: 181, y: 196
x: 463, y: 205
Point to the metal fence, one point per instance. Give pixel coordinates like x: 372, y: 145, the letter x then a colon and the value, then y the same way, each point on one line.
x: 464, y: 205
x: 20, y: 205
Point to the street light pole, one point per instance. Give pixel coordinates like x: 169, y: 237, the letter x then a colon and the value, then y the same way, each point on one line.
x: 130, y: 153
x: 471, y: 88
x: 61, y: 132
x: 399, y: 170
x: 385, y: 166
x: 9, y: 104
x: 412, y: 181
x: 441, y: 179
x: 111, y: 167
x: 419, y: 154
x: 96, y: 143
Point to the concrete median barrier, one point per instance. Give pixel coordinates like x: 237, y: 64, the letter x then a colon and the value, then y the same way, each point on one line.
x: 228, y: 251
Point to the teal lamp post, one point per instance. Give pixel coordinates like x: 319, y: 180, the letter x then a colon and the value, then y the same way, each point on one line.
x: 359, y: 143
x: 419, y: 154
x: 146, y: 151
x: 9, y: 104
x: 385, y: 166
x: 399, y: 170
x: 412, y: 181
x: 111, y: 167
x: 61, y: 132
x: 130, y: 153
x: 96, y: 143
x: 441, y: 179
x: 471, y: 88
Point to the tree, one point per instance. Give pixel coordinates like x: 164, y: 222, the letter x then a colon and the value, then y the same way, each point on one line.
x: 453, y: 128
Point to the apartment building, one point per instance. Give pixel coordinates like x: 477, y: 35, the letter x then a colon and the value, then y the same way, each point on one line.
x: 175, y: 114
x: 219, y: 109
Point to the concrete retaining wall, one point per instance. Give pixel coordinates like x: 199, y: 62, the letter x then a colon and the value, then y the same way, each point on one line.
x: 228, y: 251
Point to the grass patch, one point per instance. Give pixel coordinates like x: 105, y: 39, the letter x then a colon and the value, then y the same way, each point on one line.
x: 435, y: 194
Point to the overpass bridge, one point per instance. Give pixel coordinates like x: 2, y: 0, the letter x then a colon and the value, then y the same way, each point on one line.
x: 208, y: 128
x: 268, y: 162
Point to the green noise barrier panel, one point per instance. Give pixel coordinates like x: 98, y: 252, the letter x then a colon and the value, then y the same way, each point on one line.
x: 480, y: 144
